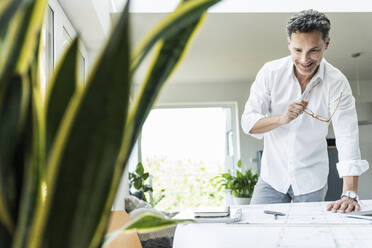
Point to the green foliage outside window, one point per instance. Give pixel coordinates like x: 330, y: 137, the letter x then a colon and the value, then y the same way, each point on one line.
x: 186, y: 183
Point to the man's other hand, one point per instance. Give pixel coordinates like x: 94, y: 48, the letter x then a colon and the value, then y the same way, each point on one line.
x: 344, y: 205
x: 293, y: 111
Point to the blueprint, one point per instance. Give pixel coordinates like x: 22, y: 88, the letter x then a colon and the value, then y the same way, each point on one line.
x: 300, y: 213
x: 304, y: 225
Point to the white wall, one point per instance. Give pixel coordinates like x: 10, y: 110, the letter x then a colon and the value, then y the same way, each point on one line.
x: 365, y: 134
x: 103, y: 9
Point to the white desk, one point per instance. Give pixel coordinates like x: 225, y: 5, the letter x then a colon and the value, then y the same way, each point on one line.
x: 305, y: 225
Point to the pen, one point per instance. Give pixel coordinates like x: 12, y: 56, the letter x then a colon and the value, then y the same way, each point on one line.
x: 276, y: 214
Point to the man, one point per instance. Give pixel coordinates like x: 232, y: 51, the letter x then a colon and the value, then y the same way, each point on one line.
x: 291, y: 103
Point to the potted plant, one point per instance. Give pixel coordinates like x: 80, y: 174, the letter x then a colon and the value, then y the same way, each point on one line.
x: 138, y: 186
x: 62, y: 155
x: 239, y: 184
x: 137, y: 183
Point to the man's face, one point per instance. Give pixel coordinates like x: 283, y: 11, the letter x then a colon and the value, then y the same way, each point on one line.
x: 307, y: 51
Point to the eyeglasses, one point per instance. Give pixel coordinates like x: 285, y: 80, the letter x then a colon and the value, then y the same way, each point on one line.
x: 316, y: 116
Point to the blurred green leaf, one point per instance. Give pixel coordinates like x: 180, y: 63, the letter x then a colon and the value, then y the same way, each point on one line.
x: 60, y: 90
x: 185, y: 14
x: 145, y: 223
x: 184, y: 22
x: 33, y: 138
x: 7, y: 11
x: 15, y: 103
x: 85, y: 149
x: 71, y: 152
x: 18, y: 48
x: 150, y: 222
x: 22, y: 23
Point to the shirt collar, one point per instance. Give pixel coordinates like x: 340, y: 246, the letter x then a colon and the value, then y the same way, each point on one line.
x: 319, y: 76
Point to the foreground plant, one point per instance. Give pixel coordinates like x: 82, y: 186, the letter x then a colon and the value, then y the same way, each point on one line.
x: 62, y: 155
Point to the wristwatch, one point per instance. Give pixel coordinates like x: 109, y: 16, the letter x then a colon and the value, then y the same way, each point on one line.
x: 351, y: 194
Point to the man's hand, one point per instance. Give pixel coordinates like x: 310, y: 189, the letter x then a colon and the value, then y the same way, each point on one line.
x: 293, y: 111
x: 344, y: 205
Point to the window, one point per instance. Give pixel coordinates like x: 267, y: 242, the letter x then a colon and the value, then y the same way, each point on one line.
x: 66, y: 38
x: 183, y: 149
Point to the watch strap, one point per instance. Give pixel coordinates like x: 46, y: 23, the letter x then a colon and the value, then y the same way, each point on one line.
x: 350, y: 194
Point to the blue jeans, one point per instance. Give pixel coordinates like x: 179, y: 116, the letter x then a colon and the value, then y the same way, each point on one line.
x: 265, y: 194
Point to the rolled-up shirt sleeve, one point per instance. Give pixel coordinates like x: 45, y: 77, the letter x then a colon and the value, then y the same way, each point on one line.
x: 345, y: 126
x: 257, y: 105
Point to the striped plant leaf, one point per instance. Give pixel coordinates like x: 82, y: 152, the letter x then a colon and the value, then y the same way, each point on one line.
x: 169, y: 53
x: 14, y: 99
x: 60, y: 90
x: 83, y: 154
x: 7, y: 10
x: 186, y: 13
x: 34, y: 189
x: 74, y: 151
x: 150, y: 222
x: 21, y: 39
x: 9, y: 188
x: 3, y: 5
x: 31, y: 35
x: 145, y: 223
x: 33, y: 149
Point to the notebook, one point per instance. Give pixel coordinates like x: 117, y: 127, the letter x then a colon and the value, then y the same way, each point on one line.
x: 233, y: 217
x: 212, y: 212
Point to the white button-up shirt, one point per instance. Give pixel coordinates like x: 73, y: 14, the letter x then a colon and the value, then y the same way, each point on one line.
x: 295, y: 154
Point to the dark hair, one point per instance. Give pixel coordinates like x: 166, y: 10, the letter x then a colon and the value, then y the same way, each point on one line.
x: 307, y: 21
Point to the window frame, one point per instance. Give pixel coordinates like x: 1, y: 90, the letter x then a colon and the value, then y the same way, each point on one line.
x: 233, y: 106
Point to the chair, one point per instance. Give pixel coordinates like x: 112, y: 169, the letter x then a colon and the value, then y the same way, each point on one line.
x: 124, y: 240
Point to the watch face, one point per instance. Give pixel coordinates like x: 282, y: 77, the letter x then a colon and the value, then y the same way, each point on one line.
x: 352, y: 194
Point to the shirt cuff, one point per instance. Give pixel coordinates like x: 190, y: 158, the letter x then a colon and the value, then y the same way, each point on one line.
x: 248, y: 123
x: 352, y: 167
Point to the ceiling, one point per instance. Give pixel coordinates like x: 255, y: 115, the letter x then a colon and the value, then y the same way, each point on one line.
x: 91, y: 20
x: 231, y: 47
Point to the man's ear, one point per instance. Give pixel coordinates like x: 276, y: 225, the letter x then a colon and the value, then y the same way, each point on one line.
x: 327, y: 43
x: 289, y: 42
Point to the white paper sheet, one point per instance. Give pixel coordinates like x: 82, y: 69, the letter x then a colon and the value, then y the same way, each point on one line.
x: 305, y: 225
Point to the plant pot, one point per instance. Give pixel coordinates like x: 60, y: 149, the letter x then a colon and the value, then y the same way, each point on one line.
x: 241, y: 200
